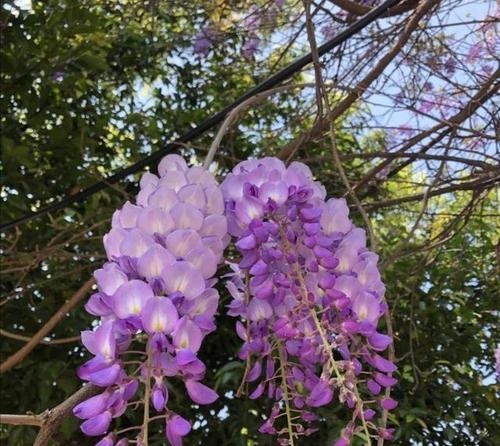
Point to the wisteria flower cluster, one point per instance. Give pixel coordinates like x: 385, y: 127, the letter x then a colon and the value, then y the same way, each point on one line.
x: 156, y: 302
x: 309, y: 296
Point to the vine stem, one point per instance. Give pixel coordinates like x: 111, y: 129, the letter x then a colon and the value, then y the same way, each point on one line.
x: 285, y: 391
x: 147, y: 394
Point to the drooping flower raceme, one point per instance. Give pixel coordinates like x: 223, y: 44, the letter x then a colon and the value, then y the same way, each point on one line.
x: 309, y: 296
x: 155, y: 300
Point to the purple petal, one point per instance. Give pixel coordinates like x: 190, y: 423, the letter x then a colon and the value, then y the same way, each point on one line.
x: 172, y: 162
x: 155, y: 220
x: 135, y: 243
x: 97, y: 425
x: 112, y: 241
x: 369, y: 414
x: 384, y: 380
x: 321, y: 394
x: 159, y: 315
x: 130, y: 298
x: 248, y: 209
x: 187, y: 335
x: 335, y: 217
x: 108, y: 440
x: 388, y: 403
x: 247, y: 243
x: 184, y: 357
x: 179, y: 426
x: 215, y: 202
x: 92, y: 407
x: 255, y: 372
x: 164, y: 198
x: 193, y: 194
x: 128, y: 215
x: 184, y: 278
x: 259, y: 390
x: 101, y: 341
x: 373, y: 387
x: 174, y: 179
x: 367, y: 307
x: 159, y: 396
x: 109, y: 278
x: 99, y: 305
x: 382, y: 364
x: 214, y: 225
x: 276, y: 191
x: 105, y: 377
x: 186, y: 216
x: 182, y: 241
x: 200, y: 393
x: 379, y: 341
x: 259, y: 309
x: 176, y: 428
x: 204, y: 260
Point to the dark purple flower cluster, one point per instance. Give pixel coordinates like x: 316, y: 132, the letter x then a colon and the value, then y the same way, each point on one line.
x: 310, y: 296
x: 156, y: 300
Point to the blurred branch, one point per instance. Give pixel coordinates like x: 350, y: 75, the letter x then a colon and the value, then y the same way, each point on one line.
x: 19, y: 337
x: 486, y: 181
x: 24, y: 351
x: 50, y: 419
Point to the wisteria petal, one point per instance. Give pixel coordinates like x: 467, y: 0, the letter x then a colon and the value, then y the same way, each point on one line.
x: 130, y: 298
x: 199, y: 393
x: 204, y: 260
x: 155, y: 220
x: 182, y: 241
x: 153, y: 261
x: 186, y: 216
x: 171, y: 162
x: 109, y: 278
x: 184, y: 278
x: 159, y: 315
x: 135, y: 244
x: 92, y: 406
x: 164, y: 198
x: 112, y: 241
x: 187, y: 335
x: 97, y: 425
x: 194, y: 195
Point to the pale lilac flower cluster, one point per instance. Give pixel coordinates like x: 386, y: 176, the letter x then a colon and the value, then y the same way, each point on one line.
x: 156, y: 300
x: 311, y: 308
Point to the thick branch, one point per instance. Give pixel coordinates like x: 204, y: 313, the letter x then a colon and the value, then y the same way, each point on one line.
x: 50, y: 420
x: 355, y: 8
x: 24, y: 351
x: 21, y: 420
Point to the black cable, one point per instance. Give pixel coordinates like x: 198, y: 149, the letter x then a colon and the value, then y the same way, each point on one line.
x: 207, y: 124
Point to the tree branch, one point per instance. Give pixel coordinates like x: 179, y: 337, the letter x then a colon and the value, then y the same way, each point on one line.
x: 20, y: 337
x: 355, y: 8
x: 21, y: 420
x: 50, y: 420
x: 24, y: 351
x: 322, y: 125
